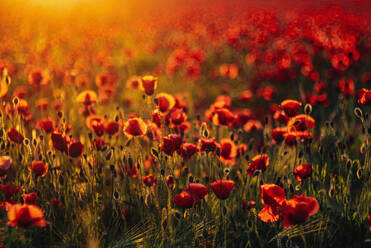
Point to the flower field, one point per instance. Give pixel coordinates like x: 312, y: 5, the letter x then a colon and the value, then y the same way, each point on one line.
x: 165, y: 124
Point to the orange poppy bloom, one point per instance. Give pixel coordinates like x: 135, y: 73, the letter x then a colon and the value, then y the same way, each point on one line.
x: 165, y: 101
x: 112, y: 127
x: 303, y: 171
x: 290, y: 107
x: 38, y: 78
x: 223, y: 117
x: 298, y: 209
x: 46, y: 125
x: 42, y: 104
x: 272, y: 197
x: 178, y: 116
x: 301, y: 122
x: 25, y: 216
x: 148, y: 84
x: 39, y: 168
x: 245, y: 96
x: 364, y: 97
x: 252, y: 125
x: 259, y: 162
x: 96, y: 123
x: 135, y: 127
x: 222, y: 188
x: 228, y: 152
x: 87, y: 97
x: 59, y: 141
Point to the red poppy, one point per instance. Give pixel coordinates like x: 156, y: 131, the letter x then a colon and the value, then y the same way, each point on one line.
x: 272, y: 196
x: 290, y: 107
x: 222, y: 188
x: 5, y: 163
x: 248, y: 205
x: 187, y: 150
x: 133, y: 82
x: 228, y: 152
x: 148, y: 84
x: 46, y: 124
x: 298, y: 209
x: 171, y: 143
x: 278, y: 133
x: 259, y: 162
x: 149, y: 180
x: 9, y: 191
x: 242, y: 116
x: 96, y: 123
x: 112, y: 127
x: 14, y: 135
x: 245, y: 96
x: 301, y: 122
x: 178, y: 116
x: 99, y: 144
x: 25, y: 216
x: 87, y: 97
x: 135, y: 127
x: 59, y: 141
x: 346, y: 87
x: 364, y: 98
x: 183, y: 200
x: 38, y: 78
x: 75, y: 148
x: 165, y: 102
x: 30, y: 198
x: 208, y: 145
x: 223, y: 117
x: 303, y: 171
x: 39, y: 168
x: 280, y: 117
x: 198, y: 191
x: 252, y: 125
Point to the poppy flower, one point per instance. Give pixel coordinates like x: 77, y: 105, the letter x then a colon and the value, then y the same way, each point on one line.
x: 171, y: 143
x: 272, y: 197
x: 346, y: 87
x: 9, y: 191
x: 133, y: 82
x: 364, y: 98
x: 112, y: 127
x: 165, y: 101
x: 30, y: 198
x: 38, y: 78
x: 148, y: 84
x: 228, y: 152
x: 198, y: 191
x: 23, y: 107
x: 222, y: 188
x: 248, y: 205
x: 223, y: 117
x: 183, y: 200
x: 135, y: 127
x: 278, y: 133
x: 5, y: 163
x: 222, y: 101
x: 59, y: 141
x: 96, y: 123
x: 14, y: 135
x: 75, y: 148
x: 252, y: 125
x: 290, y: 107
x: 46, y: 125
x: 208, y: 145
x: 25, y: 215
x: 187, y: 150
x: 228, y: 70
x: 245, y: 96
x: 178, y: 116
x: 87, y: 97
x: 298, y: 209
x: 303, y: 171
x: 259, y: 162
x: 39, y: 168
x: 242, y: 116
x: 149, y: 180
x: 99, y: 144
x: 280, y: 117
x: 182, y: 128
x: 301, y: 122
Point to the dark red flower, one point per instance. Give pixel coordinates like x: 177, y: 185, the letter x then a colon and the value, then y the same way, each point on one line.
x: 171, y: 143
x: 149, y: 180
x: 259, y: 162
x: 290, y: 107
x: 9, y: 191
x: 59, y: 141
x: 223, y: 117
x: 278, y: 133
x: 96, y: 123
x: 346, y: 87
x: 303, y: 171
x: 165, y: 102
x: 298, y: 209
x: 135, y: 127
x: 30, y: 198
x: 272, y: 197
x: 14, y: 135
x: 208, y: 145
x: 99, y: 144
x: 39, y: 168
x: 300, y: 123
x: 148, y: 84
x: 75, y: 148
x: 222, y: 188
x: 198, y: 191
x: 5, y: 163
x: 228, y: 152
x: 183, y: 200
x: 178, y: 116
x: 280, y: 117
x: 112, y: 127
x: 46, y: 124
x: 187, y: 150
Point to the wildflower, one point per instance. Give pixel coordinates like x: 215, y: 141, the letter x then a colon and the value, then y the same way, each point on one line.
x: 75, y: 148
x: 165, y: 102
x: 222, y: 188
x: 228, y: 152
x: 252, y: 125
x: 14, y: 135
x: 290, y: 107
x: 183, y: 200
x: 25, y: 215
x: 187, y: 150
x: 46, y: 125
x: 59, y: 141
x: 198, y: 191
x: 208, y: 145
x: 278, y: 133
x: 364, y: 97
x: 38, y: 78
x: 133, y: 82
x: 245, y: 96
x: 148, y: 84
x: 303, y: 171
x: 135, y: 127
x: 346, y: 87
x: 301, y: 122
x: 39, y: 168
x: 96, y: 123
x: 222, y: 117
x: 171, y: 143
x: 112, y: 127
x: 87, y: 97
x: 30, y: 198
x: 170, y: 181
x: 5, y: 163
x: 298, y: 209
x: 178, y: 116
x: 149, y: 180
x: 259, y: 162
x: 272, y: 197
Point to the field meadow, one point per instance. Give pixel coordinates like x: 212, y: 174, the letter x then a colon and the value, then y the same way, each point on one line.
x: 185, y: 124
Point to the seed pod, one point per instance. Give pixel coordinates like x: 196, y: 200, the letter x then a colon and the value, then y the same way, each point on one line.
x: 154, y: 152
x: 308, y: 109
x: 358, y: 113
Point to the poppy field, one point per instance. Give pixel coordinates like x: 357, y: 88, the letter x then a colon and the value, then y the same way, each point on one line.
x: 165, y: 124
